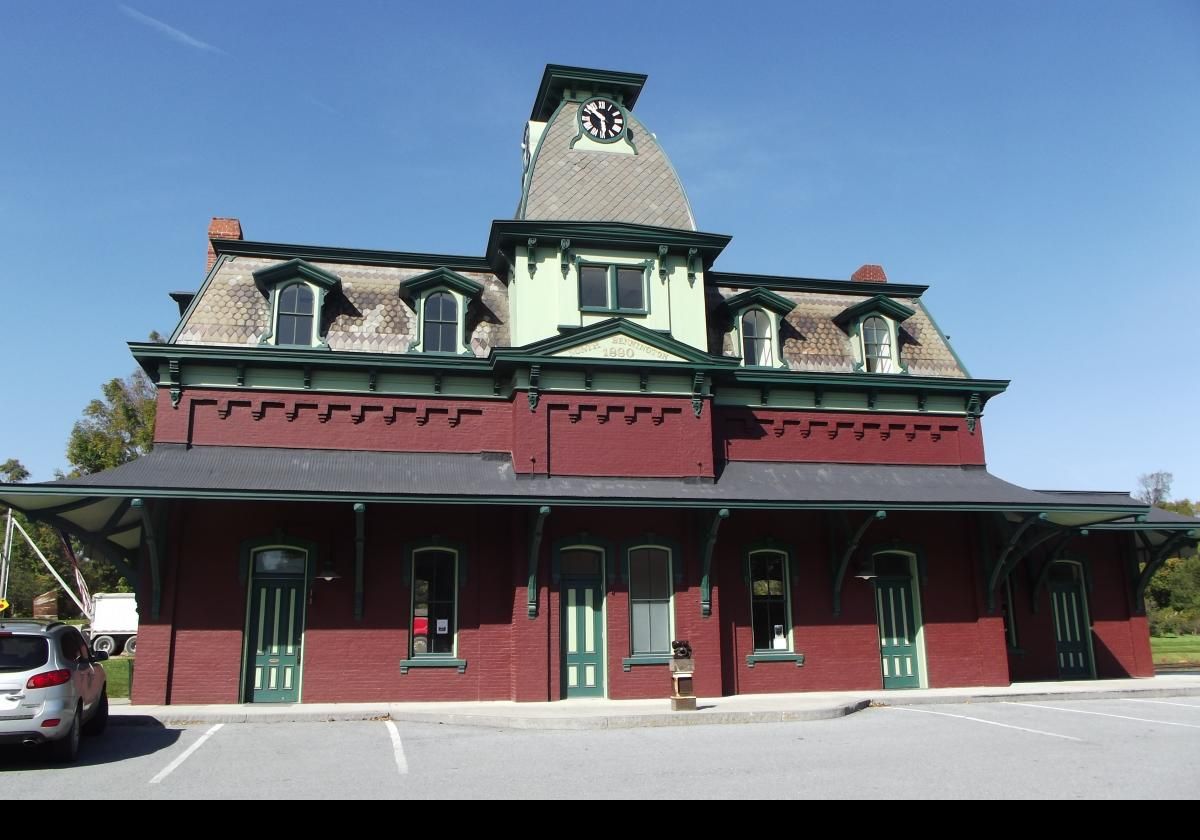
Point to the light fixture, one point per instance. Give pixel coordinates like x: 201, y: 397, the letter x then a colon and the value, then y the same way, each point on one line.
x: 328, y: 572
x: 866, y: 569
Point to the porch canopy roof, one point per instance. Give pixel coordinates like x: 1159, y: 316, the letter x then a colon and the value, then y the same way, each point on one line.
x: 107, y: 508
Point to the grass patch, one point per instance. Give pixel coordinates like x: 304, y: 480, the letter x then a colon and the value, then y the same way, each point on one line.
x: 120, y: 673
x: 1175, y: 650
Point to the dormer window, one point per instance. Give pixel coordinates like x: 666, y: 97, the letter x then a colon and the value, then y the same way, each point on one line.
x: 757, y: 339
x: 294, y: 323
x: 874, y: 330
x: 296, y: 291
x: 755, y: 317
x: 440, y: 298
x: 877, y: 345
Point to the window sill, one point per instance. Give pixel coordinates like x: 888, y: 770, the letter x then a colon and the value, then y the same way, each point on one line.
x: 646, y: 659
x: 775, y: 656
x: 595, y: 310
x: 433, y: 662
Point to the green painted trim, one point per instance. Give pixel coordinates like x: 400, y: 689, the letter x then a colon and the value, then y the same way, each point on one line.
x: 777, y: 656
x: 583, y: 132
x: 756, y: 298
x: 653, y: 540
x: 433, y: 543
x: 543, y: 351
x: 268, y: 278
x: 876, y: 305
x: 440, y: 278
x: 957, y: 359
x: 527, y: 175
x: 360, y: 538
x: 706, y: 579
x: 195, y: 301
x: 559, y: 78
x: 279, y: 539
x: 532, y: 589
x: 434, y: 662
x: 148, y: 539
x: 631, y: 662
x: 182, y: 299
x: 983, y: 389
x: 55, y: 510
x: 897, y: 546
x: 1001, y: 561
x: 410, y: 551
x: 809, y: 284
x: 507, y: 235
x: 769, y: 545
x: 356, y: 256
x: 1153, y: 564
x: 611, y: 267
x: 585, y: 539
x: 843, y: 562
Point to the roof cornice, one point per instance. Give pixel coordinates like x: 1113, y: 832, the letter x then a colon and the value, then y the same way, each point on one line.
x: 558, y: 78
x: 355, y: 256
x: 810, y: 284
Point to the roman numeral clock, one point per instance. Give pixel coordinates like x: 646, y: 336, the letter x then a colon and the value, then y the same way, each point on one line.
x: 602, y: 120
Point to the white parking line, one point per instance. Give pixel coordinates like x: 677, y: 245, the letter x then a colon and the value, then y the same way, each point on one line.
x: 988, y: 722
x: 1107, y: 714
x: 1167, y: 703
x: 186, y: 753
x: 397, y: 748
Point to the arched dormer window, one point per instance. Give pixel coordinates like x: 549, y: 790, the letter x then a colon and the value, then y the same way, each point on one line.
x: 440, y: 323
x: 877, y: 345
x: 440, y: 298
x: 296, y: 291
x: 756, y: 316
x: 874, y: 330
x: 757, y: 339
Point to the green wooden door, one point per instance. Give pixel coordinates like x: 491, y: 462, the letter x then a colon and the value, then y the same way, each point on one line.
x: 582, y: 637
x: 276, y: 627
x: 1070, y: 629
x: 898, y: 650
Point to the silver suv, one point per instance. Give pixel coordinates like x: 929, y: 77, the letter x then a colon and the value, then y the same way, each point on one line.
x: 52, y: 687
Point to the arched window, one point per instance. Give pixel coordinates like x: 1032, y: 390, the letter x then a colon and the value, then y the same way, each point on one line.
x: 877, y: 345
x: 441, y: 324
x: 294, y: 324
x: 757, y: 346
x: 769, y: 608
x: 434, y: 602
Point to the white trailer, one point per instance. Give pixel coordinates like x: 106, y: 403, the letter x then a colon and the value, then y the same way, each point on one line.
x: 114, y: 622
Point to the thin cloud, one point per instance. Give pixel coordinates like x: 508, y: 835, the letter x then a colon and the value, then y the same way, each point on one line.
x: 170, y: 31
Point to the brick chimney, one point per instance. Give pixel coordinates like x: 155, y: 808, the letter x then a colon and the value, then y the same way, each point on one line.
x: 220, y: 228
x: 865, y: 274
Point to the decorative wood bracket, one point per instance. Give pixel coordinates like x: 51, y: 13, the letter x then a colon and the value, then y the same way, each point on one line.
x: 372, y: 379
x: 531, y: 255
x: 535, y: 547
x: 241, y: 374
x: 360, y: 542
x: 535, y: 374
x: 1003, y: 564
x: 698, y: 393
x: 974, y: 410
x: 843, y: 562
x: 152, y: 550
x: 173, y: 378
x: 662, y: 263
x: 307, y: 377
x: 564, y: 257
x: 691, y: 265
x: 706, y: 579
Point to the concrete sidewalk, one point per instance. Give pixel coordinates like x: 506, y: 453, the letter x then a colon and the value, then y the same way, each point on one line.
x: 625, y: 714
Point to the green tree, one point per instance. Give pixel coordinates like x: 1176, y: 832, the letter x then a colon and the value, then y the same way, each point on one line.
x: 1173, y: 596
x: 116, y: 429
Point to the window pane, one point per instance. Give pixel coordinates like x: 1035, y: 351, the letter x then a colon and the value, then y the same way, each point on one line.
x: 641, y: 628
x: 294, y: 329
x: 593, y: 286
x: 279, y: 561
x: 434, y: 593
x: 660, y: 573
x: 639, y: 575
x: 22, y: 653
x: 580, y: 562
x: 768, y: 597
x: 631, y: 288
x: 287, y: 299
x: 757, y: 347
x: 660, y: 626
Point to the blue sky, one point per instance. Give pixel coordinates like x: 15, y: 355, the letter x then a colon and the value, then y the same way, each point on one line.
x: 1035, y: 163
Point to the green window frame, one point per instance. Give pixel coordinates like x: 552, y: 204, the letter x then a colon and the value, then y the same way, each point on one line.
x: 441, y: 323
x: 651, y: 599
x: 609, y: 287
x: 878, y: 345
x: 296, y: 316
x: 434, y: 594
x: 770, y: 600
x: 758, y: 330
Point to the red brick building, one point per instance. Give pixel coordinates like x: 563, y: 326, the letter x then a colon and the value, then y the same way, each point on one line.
x: 522, y: 474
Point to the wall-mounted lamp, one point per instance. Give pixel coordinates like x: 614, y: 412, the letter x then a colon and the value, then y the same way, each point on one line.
x: 866, y: 569
x: 328, y: 572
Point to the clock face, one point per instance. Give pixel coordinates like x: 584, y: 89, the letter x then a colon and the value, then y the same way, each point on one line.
x: 602, y: 120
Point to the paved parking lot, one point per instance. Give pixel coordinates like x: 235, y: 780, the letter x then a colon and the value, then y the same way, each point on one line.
x: 1096, y: 749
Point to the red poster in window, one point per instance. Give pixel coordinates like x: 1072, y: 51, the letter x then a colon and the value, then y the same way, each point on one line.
x: 420, y: 626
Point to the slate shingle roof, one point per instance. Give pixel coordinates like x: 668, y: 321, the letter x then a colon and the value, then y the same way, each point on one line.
x: 588, y: 186
x: 368, y: 315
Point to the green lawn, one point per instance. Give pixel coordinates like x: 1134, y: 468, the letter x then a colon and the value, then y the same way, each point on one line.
x: 120, y: 672
x: 1175, y: 650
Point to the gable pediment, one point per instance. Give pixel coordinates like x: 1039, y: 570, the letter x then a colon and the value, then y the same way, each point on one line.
x: 616, y: 340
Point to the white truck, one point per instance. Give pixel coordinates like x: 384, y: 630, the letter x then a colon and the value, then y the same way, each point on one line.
x: 114, y: 623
